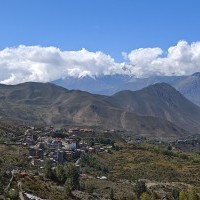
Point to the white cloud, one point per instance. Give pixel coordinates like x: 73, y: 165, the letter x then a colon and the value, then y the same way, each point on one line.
x: 182, y: 59
x: 43, y: 64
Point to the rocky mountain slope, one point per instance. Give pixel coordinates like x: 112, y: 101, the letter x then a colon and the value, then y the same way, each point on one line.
x: 160, y: 100
x: 157, y: 110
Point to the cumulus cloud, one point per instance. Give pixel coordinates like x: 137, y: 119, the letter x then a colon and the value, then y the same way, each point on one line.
x: 182, y: 59
x: 43, y: 64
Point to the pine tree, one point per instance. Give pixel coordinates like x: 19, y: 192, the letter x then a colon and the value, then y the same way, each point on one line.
x: 60, y: 176
x: 47, y: 169
x: 68, y: 187
x: 139, y: 188
x: 72, y: 172
x: 112, y: 194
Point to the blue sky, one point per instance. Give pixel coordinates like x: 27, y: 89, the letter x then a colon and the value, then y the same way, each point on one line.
x: 45, y: 40
x: 112, y: 26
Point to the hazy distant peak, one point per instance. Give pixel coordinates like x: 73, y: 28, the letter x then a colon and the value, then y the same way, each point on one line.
x: 161, y: 88
x: 197, y: 74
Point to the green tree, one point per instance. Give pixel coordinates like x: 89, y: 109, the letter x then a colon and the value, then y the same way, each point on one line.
x: 72, y: 173
x: 60, y: 175
x: 47, y: 168
x: 175, y: 194
x: 89, y: 187
x: 139, y: 188
x: 112, y: 194
x: 1, y: 185
x: 13, y: 195
x: 169, y: 148
x: 68, y: 187
x: 154, y: 195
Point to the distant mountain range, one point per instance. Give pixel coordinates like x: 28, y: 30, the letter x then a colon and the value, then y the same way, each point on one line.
x: 155, y: 111
x: 189, y: 86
